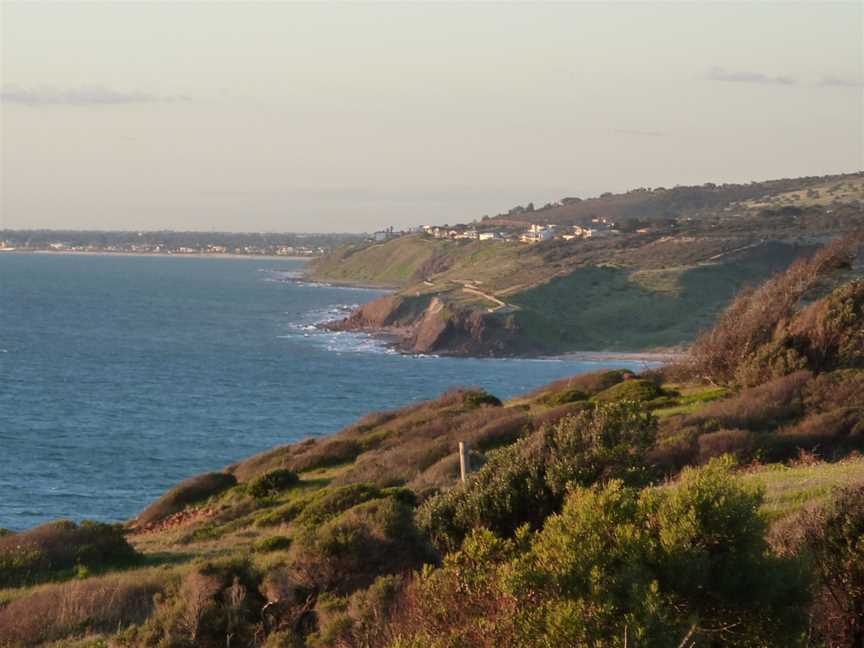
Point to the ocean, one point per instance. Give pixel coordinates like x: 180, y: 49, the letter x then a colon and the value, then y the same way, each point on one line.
x: 120, y: 375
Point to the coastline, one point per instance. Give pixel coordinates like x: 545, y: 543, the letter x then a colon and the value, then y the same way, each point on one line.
x: 197, y: 255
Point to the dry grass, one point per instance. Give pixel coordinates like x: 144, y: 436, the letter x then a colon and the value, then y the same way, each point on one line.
x: 102, y: 604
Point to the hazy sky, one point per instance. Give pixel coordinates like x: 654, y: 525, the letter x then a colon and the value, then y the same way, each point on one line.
x: 338, y: 117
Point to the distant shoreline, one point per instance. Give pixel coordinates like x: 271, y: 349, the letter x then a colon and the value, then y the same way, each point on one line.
x: 196, y: 255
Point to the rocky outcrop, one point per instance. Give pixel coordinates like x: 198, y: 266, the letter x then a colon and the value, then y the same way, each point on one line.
x: 428, y: 324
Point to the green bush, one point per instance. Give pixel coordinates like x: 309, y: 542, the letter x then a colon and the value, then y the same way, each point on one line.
x: 272, y: 543
x: 617, y: 566
x: 637, y: 390
x: 333, y: 501
x: 527, y: 481
x: 51, y: 549
x: 351, y: 549
x: 563, y: 397
x: 272, y: 483
x: 479, y: 397
x: 282, y: 514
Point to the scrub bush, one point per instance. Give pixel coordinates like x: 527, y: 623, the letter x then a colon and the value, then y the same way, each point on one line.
x: 190, y: 491
x: 272, y: 483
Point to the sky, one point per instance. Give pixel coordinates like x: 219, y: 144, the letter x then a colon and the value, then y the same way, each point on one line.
x: 278, y: 116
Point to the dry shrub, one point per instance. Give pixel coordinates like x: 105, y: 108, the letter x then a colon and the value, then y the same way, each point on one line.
x: 278, y: 457
x: 190, y: 491
x: 833, y: 547
x: 331, y: 452
x: 844, y: 421
x: 198, y: 593
x: 830, y: 332
x: 483, y: 434
x: 552, y: 416
x: 842, y: 388
x: 93, y: 605
x: 829, y: 434
x: 760, y: 407
x: 398, y: 465
x: 670, y: 455
x: 428, y: 435
x: 735, y: 442
x: 751, y: 320
x: 440, y: 474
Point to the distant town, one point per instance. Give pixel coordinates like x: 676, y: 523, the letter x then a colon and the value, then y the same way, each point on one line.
x: 173, y: 243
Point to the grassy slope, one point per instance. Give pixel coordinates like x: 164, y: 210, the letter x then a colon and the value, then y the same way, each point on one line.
x: 790, y: 488
x: 394, y: 263
x: 617, y: 309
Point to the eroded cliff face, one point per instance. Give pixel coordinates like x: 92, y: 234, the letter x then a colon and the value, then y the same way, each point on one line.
x: 428, y: 324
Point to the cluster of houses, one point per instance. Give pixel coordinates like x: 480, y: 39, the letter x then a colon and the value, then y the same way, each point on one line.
x: 599, y: 227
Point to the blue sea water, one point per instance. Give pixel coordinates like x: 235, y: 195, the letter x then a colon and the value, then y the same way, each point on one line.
x: 121, y: 376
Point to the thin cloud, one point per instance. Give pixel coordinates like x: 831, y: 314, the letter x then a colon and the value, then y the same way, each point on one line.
x: 719, y: 74
x: 85, y: 95
x: 838, y: 82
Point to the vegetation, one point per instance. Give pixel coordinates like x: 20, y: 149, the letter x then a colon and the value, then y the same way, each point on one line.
x: 719, y: 502
x: 61, y: 548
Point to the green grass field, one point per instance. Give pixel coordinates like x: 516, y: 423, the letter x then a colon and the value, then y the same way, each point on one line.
x: 791, y: 488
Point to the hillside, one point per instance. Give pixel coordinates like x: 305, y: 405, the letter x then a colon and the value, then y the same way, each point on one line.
x: 716, y: 502
x: 654, y: 282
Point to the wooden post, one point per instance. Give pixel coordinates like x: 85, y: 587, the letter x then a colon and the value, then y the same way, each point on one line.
x: 464, y: 465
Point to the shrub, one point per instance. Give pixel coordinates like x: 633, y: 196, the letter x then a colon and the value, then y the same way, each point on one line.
x: 500, y: 432
x: 570, y: 395
x: 750, y: 321
x: 589, y: 383
x: 278, y: 457
x: 662, y: 567
x: 477, y: 398
x: 273, y: 543
x: 834, y: 547
x: 631, y: 390
x: 331, y: 452
x: 760, y: 407
x: 525, y: 482
x: 190, y: 491
x: 841, y: 388
x: 350, y: 550
x: 283, y: 514
x: 739, y: 443
x: 331, y: 502
x: 829, y: 332
x: 50, y: 549
x: 677, y: 448
x: 272, y: 483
